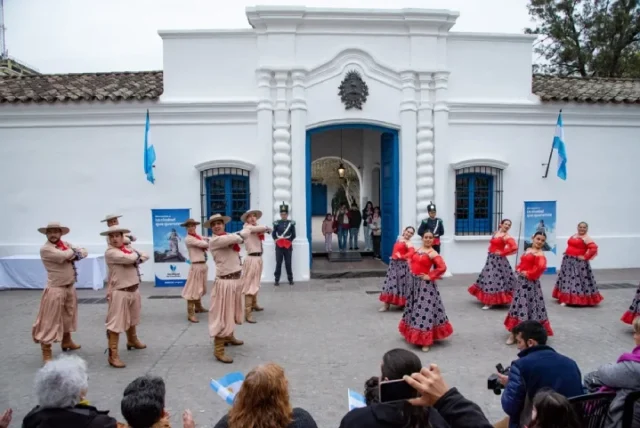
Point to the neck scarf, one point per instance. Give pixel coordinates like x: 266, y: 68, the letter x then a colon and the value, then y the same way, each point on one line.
x: 60, y: 245
x: 125, y: 250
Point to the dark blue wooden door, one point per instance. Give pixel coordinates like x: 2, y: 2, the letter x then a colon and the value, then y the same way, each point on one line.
x: 318, y: 199
x: 389, y: 192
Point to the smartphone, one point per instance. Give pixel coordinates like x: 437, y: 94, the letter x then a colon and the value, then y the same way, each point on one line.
x: 500, y: 368
x: 396, y: 390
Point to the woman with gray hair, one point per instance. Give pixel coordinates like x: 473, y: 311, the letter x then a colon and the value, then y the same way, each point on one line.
x: 60, y: 388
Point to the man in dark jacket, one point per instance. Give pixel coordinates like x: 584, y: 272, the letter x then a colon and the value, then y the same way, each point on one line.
x: 355, y: 218
x: 538, y: 367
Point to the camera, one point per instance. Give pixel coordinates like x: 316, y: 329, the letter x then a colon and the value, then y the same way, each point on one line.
x: 493, y: 383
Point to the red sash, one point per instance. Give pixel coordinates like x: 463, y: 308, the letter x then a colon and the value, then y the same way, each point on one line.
x: 283, y: 243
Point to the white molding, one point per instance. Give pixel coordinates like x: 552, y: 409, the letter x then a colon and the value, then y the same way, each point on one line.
x: 225, y: 163
x: 239, y: 111
x: 206, y: 34
x: 493, y: 37
x: 469, y: 163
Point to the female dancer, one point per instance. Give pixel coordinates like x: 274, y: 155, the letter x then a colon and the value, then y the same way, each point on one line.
x: 496, y: 281
x: 252, y: 266
x: 575, y: 284
x: 633, y: 311
x: 424, y: 319
x: 196, y: 285
x: 398, y: 280
x: 528, y: 301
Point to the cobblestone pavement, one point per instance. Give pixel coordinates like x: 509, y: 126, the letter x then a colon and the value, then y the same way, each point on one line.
x: 328, y: 335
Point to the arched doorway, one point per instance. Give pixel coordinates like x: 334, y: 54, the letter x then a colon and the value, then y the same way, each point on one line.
x: 385, y: 142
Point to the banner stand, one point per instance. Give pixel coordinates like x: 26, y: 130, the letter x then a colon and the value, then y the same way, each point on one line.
x: 170, y: 255
x: 540, y: 216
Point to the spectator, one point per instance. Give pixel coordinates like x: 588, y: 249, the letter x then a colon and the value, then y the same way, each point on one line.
x: 396, y: 364
x: 367, y: 216
x: 343, y: 228
x: 552, y: 410
x: 538, y: 367
x: 355, y: 218
x: 376, y: 232
x: 60, y: 388
x: 372, y: 391
x: 622, y: 377
x: 263, y: 401
x: 327, y: 231
x: 142, y: 404
x: 456, y: 410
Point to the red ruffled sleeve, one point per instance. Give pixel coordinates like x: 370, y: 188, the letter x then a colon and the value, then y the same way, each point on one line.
x: 537, y: 268
x: 409, y: 254
x: 592, y: 251
x: 439, y: 268
x: 400, y: 250
x: 511, y: 247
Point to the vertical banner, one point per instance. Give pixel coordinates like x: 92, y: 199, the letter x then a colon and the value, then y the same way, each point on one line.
x: 170, y: 253
x: 540, y: 216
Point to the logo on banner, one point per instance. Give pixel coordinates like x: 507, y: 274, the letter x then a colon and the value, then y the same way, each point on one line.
x: 173, y: 268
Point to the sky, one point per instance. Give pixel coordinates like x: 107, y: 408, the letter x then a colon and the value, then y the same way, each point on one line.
x: 75, y: 36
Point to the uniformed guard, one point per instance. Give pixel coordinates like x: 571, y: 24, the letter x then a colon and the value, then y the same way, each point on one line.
x: 284, y: 232
x: 432, y: 224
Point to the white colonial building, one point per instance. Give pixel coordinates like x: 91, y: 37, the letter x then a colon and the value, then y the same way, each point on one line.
x: 237, y: 117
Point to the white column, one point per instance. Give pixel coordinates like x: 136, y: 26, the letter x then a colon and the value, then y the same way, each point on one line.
x: 300, y: 259
x: 265, y: 142
x: 281, y: 146
x: 424, y: 149
x: 408, y: 121
x: 444, y: 191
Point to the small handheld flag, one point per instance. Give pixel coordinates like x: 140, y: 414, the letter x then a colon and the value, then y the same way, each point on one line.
x: 149, y: 153
x: 355, y: 400
x: 558, y: 144
x: 228, y: 386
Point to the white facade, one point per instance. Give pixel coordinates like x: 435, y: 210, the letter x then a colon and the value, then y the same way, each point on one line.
x: 245, y: 99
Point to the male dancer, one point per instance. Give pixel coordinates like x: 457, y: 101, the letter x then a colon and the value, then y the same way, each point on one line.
x: 196, y: 285
x: 252, y: 266
x: 434, y: 225
x: 226, y: 298
x: 284, y: 232
x: 123, y: 313
x: 112, y: 220
x: 58, y: 314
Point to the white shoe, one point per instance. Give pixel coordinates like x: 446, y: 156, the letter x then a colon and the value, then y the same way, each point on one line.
x: 425, y: 349
x: 485, y: 307
x: 563, y: 304
x: 511, y: 340
x: 385, y: 308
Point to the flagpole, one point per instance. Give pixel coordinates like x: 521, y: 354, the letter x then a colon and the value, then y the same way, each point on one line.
x: 546, y: 173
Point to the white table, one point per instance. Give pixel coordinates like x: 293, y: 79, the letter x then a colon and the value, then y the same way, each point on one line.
x: 28, y: 272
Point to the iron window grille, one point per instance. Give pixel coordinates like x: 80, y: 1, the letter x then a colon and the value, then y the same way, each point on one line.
x: 478, y: 198
x: 224, y: 191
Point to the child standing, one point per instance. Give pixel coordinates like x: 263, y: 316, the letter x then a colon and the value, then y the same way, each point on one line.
x: 327, y: 231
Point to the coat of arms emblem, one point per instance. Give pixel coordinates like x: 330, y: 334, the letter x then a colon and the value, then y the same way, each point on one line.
x: 353, y: 91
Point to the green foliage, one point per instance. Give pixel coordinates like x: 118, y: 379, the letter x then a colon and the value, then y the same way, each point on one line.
x: 588, y: 38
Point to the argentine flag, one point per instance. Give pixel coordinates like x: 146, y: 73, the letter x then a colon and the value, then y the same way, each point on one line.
x: 149, y: 153
x: 228, y: 386
x: 355, y: 400
x: 558, y: 145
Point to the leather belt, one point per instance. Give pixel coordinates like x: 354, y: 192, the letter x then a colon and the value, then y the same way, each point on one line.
x: 255, y: 254
x: 234, y: 275
x: 197, y: 263
x: 128, y: 289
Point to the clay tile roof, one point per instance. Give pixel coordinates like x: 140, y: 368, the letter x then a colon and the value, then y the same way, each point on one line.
x: 587, y: 90
x: 53, y: 88
x: 148, y: 85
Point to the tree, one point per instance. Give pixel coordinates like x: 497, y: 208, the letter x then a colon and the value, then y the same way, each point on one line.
x: 588, y: 38
x: 325, y: 171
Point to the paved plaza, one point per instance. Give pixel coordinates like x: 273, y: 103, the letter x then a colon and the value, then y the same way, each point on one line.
x: 328, y: 335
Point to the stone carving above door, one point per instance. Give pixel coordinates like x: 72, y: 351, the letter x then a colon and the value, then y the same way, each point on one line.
x: 354, y: 91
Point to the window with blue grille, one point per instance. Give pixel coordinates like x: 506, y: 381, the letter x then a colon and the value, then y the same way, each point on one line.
x: 478, y: 199
x: 225, y: 191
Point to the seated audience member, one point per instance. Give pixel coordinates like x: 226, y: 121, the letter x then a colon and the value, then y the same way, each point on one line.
x: 60, y: 387
x: 396, y: 364
x: 552, y: 410
x: 5, y: 418
x: 622, y: 377
x: 538, y: 367
x: 371, y: 391
x: 263, y: 401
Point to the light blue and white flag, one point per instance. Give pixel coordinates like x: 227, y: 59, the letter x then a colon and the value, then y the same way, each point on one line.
x: 149, y: 153
x: 355, y: 400
x: 228, y: 386
x: 558, y: 145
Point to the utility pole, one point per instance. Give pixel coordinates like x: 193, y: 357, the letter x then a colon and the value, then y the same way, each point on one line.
x: 4, y: 53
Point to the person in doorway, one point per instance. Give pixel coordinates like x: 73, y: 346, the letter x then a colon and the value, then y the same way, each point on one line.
x: 58, y: 313
x: 343, y: 228
x: 123, y: 296
x: 284, y: 233
x: 225, y: 310
x: 367, y: 216
x: 354, y: 224
x: 252, y: 266
x: 327, y: 231
x: 376, y: 232
x: 196, y: 285
x: 434, y: 225
x: 528, y: 301
x: 112, y: 220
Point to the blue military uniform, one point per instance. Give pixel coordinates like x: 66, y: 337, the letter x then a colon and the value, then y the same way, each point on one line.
x: 284, y: 232
x: 434, y: 225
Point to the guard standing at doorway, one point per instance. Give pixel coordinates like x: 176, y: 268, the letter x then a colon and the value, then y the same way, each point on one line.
x: 284, y: 232
x: 432, y: 224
